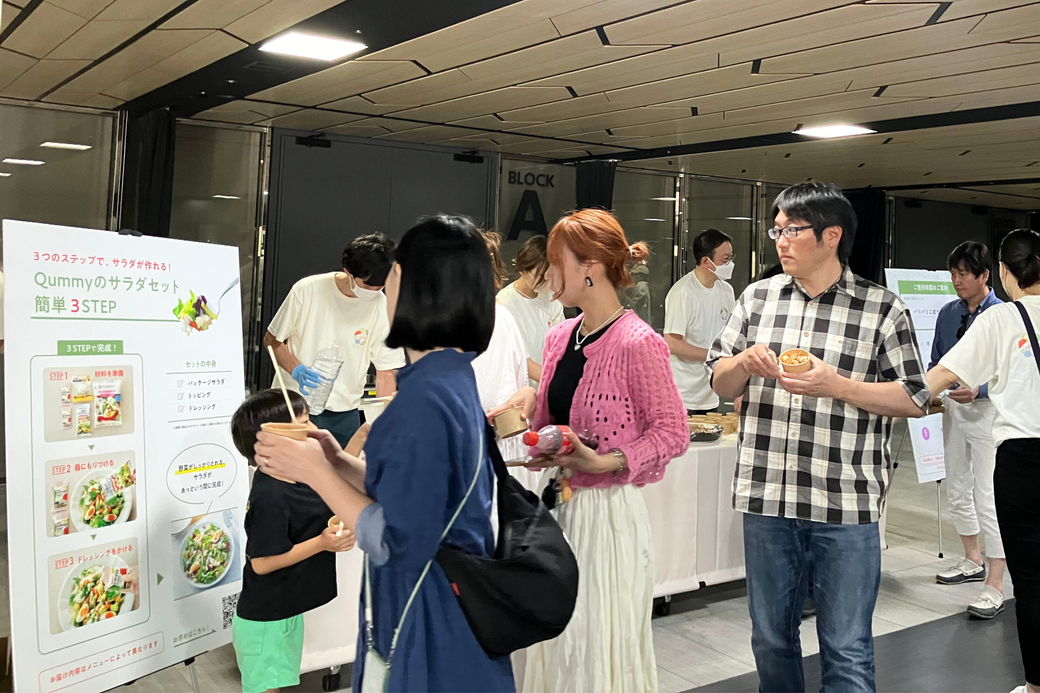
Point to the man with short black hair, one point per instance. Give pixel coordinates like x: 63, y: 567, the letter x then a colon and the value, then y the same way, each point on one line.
x: 347, y: 308
x: 815, y: 456
x: 968, y: 437
x: 695, y: 311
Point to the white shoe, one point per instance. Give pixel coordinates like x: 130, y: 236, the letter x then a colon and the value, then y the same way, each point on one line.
x: 1021, y: 689
x: 965, y: 571
x: 988, y: 604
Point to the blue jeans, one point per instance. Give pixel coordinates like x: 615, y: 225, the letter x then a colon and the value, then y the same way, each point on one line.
x: 846, y: 573
x: 342, y: 424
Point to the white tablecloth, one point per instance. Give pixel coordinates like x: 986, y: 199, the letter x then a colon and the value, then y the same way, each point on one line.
x: 698, y: 536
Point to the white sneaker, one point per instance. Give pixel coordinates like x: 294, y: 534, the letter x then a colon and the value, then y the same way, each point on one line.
x: 965, y: 571
x: 1021, y: 689
x: 988, y: 604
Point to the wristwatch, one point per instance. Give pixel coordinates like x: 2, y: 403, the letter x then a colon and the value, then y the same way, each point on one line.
x: 622, y: 461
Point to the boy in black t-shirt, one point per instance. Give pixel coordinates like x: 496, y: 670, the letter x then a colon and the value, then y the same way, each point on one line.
x: 290, y: 558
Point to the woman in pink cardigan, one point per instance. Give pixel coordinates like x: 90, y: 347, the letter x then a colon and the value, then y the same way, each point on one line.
x: 605, y: 372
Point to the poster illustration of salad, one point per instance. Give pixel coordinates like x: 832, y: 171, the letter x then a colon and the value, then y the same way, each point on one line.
x: 107, y: 400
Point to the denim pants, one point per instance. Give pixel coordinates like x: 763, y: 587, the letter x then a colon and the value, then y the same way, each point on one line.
x: 845, y: 564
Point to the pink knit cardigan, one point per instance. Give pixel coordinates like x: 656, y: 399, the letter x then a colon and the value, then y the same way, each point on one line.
x: 627, y: 396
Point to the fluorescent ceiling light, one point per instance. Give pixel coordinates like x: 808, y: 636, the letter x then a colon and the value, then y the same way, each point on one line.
x: 834, y: 131
x: 66, y: 145
x: 310, y: 46
x: 664, y: 199
x: 226, y: 197
x: 5, y: 175
x: 654, y: 219
x: 24, y: 162
x: 740, y: 218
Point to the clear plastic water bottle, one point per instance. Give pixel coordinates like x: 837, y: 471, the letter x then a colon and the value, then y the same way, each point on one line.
x: 327, y: 364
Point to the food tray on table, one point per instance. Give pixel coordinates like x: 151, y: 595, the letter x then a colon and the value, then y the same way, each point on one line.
x: 707, y: 428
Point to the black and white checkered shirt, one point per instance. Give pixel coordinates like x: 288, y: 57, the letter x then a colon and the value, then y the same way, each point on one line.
x: 812, y: 458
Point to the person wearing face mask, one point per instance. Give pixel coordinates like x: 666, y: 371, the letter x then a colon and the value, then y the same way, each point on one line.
x: 695, y: 311
x: 529, y: 300
x: 1001, y: 350
x: 347, y: 308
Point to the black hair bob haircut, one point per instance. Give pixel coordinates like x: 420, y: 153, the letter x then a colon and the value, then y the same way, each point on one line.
x: 823, y: 206
x: 705, y: 245
x: 369, y: 258
x: 1020, y: 253
x: 266, y: 406
x: 973, y: 255
x: 447, y: 294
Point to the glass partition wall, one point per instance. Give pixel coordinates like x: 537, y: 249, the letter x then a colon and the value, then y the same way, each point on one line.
x: 728, y: 206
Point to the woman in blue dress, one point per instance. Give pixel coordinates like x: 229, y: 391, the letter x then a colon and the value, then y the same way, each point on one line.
x: 422, y: 456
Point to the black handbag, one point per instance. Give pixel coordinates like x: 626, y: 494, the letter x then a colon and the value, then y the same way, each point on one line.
x: 527, y: 591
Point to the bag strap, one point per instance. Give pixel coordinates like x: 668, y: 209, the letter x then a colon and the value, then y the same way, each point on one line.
x: 497, y: 463
x: 1030, y: 331
x: 369, y: 637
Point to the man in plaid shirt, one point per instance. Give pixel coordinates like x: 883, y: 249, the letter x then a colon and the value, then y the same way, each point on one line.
x: 814, y: 457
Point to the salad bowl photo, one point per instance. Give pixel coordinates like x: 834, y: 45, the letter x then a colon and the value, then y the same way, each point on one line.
x: 88, y: 595
x: 89, y: 511
x: 206, y: 554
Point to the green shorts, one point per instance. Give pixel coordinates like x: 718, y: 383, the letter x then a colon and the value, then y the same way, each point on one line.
x: 268, y: 652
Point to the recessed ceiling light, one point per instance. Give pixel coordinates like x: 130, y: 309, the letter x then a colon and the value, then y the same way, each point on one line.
x: 66, y: 145
x: 834, y: 131
x: 24, y: 162
x: 226, y: 197
x: 310, y: 46
x: 740, y: 218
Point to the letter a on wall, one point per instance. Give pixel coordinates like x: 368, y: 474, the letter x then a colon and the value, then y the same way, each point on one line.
x: 528, y: 216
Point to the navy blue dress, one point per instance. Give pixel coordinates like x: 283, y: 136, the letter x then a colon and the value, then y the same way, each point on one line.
x: 422, y: 455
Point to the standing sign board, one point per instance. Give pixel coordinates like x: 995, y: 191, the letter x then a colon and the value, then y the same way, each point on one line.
x: 926, y: 436
x: 123, y: 367
x: 924, y: 292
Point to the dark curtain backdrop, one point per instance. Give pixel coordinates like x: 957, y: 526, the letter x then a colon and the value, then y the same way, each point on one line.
x: 868, y: 252
x: 147, y: 192
x: 594, y: 186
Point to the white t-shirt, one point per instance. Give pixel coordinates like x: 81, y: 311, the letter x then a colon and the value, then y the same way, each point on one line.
x: 996, y: 350
x: 501, y: 371
x: 534, y: 316
x: 316, y: 314
x: 697, y: 314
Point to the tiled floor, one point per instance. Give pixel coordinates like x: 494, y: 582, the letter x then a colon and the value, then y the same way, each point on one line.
x: 707, y: 636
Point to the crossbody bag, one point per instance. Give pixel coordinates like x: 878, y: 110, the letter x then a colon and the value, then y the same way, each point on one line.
x: 376, y: 677
x: 1030, y: 331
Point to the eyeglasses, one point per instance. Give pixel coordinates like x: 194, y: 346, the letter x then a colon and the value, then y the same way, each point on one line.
x: 787, y: 232
x: 964, y: 325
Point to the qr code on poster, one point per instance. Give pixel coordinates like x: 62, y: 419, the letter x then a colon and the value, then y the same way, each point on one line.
x: 228, y: 605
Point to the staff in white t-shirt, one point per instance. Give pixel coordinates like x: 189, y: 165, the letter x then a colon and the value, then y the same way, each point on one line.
x: 1001, y: 349
x: 529, y: 299
x: 695, y: 311
x: 348, y: 309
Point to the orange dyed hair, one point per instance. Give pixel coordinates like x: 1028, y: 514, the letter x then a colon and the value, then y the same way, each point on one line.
x: 594, y: 235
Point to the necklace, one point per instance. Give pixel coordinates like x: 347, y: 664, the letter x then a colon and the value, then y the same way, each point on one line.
x: 579, y: 341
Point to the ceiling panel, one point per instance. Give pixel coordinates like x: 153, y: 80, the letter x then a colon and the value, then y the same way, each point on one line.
x: 142, y: 54
x: 88, y: 9
x: 42, y: 76
x: 695, y: 21
x: 594, y: 14
x: 672, y: 127
x: 96, y: 38
x: 346, y: 79
x: 310, y: 119
x: 574, y: 108
x: 942, y: 64
x: 428, y: 133
x: 46, y: 27
x: 663, y: 64
x: 7, y: 14
x: 967, y: 8
x: 1020, y: 22
x: 267, y: 20
x: 489, y: 102
x: 690, y: 86
x: 213, y: 14
x: 450, y: 84
x: 146, y: 10
x: 977, y: 81
x: 12, y: 66
x: 766, y: 94
x: 485, y: 122
x: 476, y: 39
x: 614, y: 119
x: 359, y: 104
x: 358, y: 129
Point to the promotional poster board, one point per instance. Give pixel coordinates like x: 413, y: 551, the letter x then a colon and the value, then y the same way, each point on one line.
x: 924, y: 292
x: 926, y: 436
x: 125, y: 494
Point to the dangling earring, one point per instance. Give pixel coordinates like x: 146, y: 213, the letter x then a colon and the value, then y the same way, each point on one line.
x: 588, y: 282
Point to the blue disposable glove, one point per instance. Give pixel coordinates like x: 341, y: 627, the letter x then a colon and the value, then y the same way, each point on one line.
x: 307, y: 378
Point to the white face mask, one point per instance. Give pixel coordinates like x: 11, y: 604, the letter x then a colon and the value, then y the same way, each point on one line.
x: 724, y: 271
x: 362, y: 294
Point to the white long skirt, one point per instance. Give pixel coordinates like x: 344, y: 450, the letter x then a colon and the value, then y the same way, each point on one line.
x: 608, y: 645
